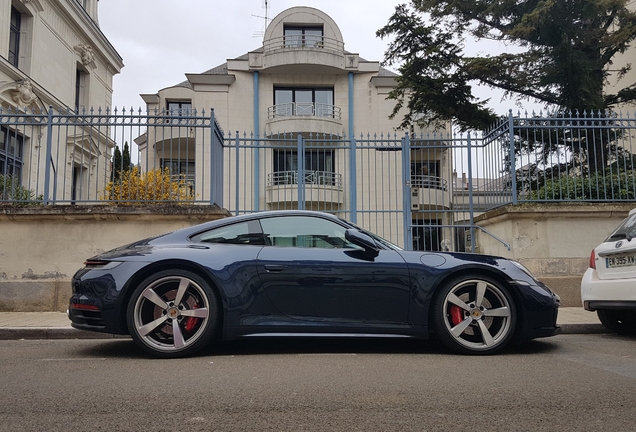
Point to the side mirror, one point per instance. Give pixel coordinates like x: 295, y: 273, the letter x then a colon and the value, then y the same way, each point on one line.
x: 364, y: 241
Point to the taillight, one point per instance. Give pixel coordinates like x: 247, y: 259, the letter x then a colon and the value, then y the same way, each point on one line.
x: 101, y: 264
x: 95, y: 263
x: 593, y: 260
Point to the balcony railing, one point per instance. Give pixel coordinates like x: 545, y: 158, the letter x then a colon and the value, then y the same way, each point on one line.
x: 429, y: 182
x: 317, y: 43
x: 309, y: 109
x: 325, y: 178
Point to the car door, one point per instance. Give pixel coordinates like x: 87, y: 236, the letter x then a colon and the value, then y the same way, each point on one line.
x: 311, y: 272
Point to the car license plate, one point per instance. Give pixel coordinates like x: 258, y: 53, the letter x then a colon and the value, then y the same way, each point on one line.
x: 620, y: 261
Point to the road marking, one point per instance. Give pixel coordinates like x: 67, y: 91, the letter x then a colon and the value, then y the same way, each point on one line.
x: 328, y: 354
x: 72, y: 359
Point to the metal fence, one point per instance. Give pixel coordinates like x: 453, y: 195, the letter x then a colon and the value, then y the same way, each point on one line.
x: 420, y: 191
x: 60, y: 157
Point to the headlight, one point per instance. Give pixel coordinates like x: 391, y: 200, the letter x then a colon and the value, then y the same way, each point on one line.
x: 523, y: 269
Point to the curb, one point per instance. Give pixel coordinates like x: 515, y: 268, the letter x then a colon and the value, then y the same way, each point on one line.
x: 16, y: 333
x: 583, y: 328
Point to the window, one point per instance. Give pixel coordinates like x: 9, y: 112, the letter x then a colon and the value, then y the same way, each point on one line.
x: 179, y: 108
x: 300, y: 36
x: 303, y: 102
x: 180, y: 169
x: 305, y: 232
x: 425, y: 175
x: 81, y: 90
x: 240, y: 233
x: 14, y: 37
x: 318, y: 167
x: 11, y: 144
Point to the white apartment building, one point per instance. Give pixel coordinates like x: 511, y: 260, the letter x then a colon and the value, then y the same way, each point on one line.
x: 53, y: 54
x: 302, y: 81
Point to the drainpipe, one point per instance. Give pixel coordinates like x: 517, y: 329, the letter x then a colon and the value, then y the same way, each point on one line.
x: 257, y: 128
x: 471, y: 206
x: 353, y: 196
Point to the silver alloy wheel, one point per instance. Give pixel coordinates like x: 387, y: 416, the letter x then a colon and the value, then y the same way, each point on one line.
x: 478, y: 315
x: 171, y: 314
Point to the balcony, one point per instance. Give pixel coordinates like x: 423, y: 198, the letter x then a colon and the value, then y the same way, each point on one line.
x: 429, y: 193
x: 319, y: 55
x: 323, y: 188
x: 304, y: 117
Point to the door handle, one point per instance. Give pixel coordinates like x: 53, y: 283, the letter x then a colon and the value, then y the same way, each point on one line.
x: 272, y: 268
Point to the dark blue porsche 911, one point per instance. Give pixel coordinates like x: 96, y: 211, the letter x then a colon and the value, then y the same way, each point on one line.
x: 300, y: 273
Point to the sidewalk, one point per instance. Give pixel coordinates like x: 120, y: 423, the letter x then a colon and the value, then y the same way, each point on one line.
x: 55, y: 325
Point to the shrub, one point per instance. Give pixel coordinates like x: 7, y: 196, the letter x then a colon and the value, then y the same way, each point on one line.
x: 11, y: 190
x: 597, y: 187
x: 153, y: 187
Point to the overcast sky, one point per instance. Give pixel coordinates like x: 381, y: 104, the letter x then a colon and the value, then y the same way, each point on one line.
x: 162, y: 40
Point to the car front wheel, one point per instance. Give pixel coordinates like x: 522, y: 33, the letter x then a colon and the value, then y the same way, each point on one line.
x: 173, y: 313
x: 474, y: 316
x: 619, y: 321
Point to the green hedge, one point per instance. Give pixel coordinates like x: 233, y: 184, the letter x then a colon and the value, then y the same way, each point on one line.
x: 609, y: 187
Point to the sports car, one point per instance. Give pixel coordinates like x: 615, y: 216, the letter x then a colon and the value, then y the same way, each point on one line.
x: 304, y: 274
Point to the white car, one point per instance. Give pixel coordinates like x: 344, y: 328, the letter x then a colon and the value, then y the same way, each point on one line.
x: 609, y: 284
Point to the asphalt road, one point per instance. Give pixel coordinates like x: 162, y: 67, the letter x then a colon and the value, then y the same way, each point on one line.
x: 565, y: 383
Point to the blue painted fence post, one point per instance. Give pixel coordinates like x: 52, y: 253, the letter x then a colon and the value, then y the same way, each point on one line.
x: 49, y: 152
x: 513, y: 161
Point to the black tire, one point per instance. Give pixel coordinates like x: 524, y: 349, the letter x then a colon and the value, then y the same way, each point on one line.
x: 619, y: 321
x: 474, y: 315
x: 173, y: 313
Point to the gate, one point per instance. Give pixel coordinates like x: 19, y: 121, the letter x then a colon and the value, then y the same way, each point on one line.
x: 405, y: 189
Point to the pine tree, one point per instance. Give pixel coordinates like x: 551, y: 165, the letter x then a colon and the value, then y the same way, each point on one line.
x: 566, y: 49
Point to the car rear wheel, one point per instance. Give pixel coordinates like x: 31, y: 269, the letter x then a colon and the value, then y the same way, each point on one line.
x: 474, y: 316
x: 173, y: 313
x: 619, y: 321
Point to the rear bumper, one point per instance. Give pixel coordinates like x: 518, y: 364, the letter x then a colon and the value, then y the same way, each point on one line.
x: 608, y: 293
x: 592, y: 305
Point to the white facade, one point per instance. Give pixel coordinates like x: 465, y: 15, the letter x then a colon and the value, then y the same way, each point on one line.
x: 53, y: 54
x: 301, y: 80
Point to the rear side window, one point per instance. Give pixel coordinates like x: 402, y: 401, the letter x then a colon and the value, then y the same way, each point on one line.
x: 626, y: 230
x: 247, y: 233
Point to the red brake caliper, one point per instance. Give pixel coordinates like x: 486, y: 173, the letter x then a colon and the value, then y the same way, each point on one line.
x: 456, y: 314
x: 190, y: 322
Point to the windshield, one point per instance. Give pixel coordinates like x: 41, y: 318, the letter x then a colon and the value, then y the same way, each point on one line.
x: 626, y: 230
x: 375, y: 237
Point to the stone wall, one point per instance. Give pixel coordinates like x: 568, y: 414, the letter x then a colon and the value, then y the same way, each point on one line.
x: 553, y: 241
x: 42, y: 247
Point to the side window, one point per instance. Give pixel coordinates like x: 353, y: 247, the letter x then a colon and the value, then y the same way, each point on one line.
x: 248, y: 233
x: 305, y: 232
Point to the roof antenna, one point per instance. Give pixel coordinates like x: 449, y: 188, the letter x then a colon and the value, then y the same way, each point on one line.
x: 266, y: 18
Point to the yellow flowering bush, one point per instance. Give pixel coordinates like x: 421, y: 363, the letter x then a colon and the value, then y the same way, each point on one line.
x: 154, y: 187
